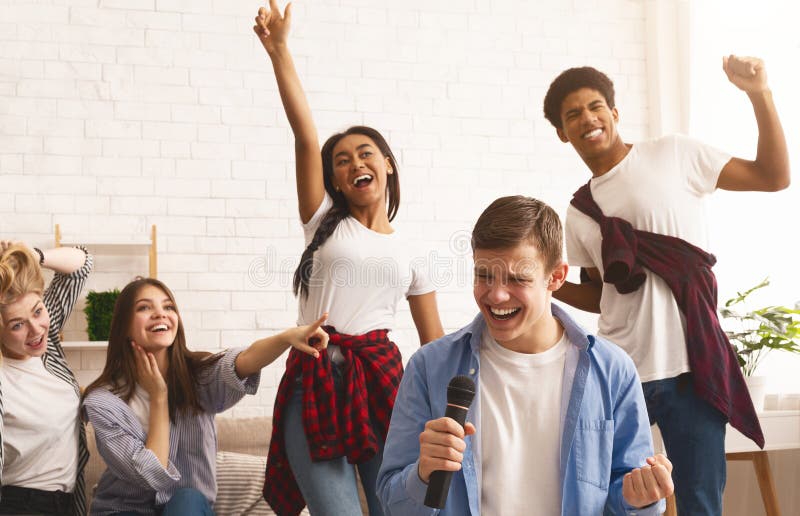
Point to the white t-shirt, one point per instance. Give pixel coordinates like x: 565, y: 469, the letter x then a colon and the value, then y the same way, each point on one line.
x: 520, y: 429
x: 660, y: 187
x: 359, y: 276
x: 140, y: 405
x: 40, y: 427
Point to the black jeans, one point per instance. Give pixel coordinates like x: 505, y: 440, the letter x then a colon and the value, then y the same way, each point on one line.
x: 23, y: 500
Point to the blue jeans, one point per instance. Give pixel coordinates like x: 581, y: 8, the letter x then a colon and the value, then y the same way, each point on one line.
x: 186, y: 501
x: 329, y: 487
x: 694, y: 436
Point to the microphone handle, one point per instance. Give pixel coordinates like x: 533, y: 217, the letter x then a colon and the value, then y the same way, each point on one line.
x: 439, y: 484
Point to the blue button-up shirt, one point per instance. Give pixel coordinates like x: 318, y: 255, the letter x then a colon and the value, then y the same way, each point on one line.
x: 605, y: 428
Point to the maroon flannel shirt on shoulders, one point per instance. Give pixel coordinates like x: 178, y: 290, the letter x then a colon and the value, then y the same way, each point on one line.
x: 626, y: 252
x: 372, y: 371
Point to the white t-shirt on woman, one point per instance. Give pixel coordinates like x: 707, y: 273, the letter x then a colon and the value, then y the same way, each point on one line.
x: 360, y: 275
x: 40, y: 427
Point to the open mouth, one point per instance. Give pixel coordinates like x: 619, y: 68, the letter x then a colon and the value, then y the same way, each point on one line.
x: 503, y: 314
x: 159, y: 328
x: 37, y: 342
x: 362, y: 180
x: 594, y: 133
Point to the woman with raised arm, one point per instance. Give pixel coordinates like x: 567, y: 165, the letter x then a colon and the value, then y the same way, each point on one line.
x: 42, y: 439
x: 334, y: 411
x: 153, y: 406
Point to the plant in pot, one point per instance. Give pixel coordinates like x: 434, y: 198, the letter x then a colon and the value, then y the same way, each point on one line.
x: 754, y: 333
x: 99, y: 309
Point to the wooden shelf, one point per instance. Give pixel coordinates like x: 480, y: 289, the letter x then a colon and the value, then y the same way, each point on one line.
x: 114, y: 245
x: 109, y: 249
x: 84, y: 345
x: 110, y: 245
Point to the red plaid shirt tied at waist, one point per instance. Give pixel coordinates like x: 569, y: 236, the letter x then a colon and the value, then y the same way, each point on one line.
x: 335, y: 428
x: 686, y: 269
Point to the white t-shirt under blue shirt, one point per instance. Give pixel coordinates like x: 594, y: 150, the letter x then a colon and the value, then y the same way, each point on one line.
x: 520, y: 429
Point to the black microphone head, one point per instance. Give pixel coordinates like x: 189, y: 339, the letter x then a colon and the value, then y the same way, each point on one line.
x: 460, y: 391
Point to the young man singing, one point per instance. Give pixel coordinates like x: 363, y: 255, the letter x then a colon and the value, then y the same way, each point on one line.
x: 558, y: 425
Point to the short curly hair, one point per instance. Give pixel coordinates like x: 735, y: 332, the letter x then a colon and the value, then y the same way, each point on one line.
x: 572, y: 80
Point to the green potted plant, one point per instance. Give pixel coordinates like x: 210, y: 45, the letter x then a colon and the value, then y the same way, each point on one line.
x: 99, y: 309
x: 754, y: 333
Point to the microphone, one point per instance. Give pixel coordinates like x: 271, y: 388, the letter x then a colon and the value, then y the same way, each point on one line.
x: 460, y: 392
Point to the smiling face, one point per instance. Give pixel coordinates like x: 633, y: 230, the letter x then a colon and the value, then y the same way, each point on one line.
x: 155, y: 319
x: 360, y: 170
x: 26, y: 323
x: 513, y: 290
x: 590, y: 125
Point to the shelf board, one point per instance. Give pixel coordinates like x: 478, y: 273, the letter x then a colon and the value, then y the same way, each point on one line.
x: 84, y: 344
x: 109, y: 245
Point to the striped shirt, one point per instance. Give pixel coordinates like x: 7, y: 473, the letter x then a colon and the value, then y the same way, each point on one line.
x: 135, y: 479
x: 59, y: 299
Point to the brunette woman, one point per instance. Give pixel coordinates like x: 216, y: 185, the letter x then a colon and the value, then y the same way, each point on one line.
x: 334, y: 412
x: 154, y: 404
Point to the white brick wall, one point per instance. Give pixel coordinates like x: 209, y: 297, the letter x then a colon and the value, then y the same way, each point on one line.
x: 116, y: 115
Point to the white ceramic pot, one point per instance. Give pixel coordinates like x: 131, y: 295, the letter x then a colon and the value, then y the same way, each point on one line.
x: 757, y: 385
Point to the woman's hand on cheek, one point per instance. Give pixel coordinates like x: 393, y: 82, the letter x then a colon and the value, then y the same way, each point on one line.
x: 148, y: 374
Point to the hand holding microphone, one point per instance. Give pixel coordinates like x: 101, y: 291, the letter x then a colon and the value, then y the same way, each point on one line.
x: 442, y: 442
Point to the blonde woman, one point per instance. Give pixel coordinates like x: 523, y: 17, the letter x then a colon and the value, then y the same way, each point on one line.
x: 42, y: 440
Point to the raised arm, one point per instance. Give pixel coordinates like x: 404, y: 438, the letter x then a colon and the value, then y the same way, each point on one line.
x: 72, y: 266
x: 272, y: 29
x: 64, y: 260
x: 308, y: 339
x: 769, y: 172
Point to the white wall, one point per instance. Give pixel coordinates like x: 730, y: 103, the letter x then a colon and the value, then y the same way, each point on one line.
x: 119, y: 114
x: 753, y: 235
x: 115, y: 115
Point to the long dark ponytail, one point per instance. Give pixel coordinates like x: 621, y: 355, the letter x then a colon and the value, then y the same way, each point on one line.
x: 340, y: 209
